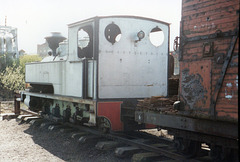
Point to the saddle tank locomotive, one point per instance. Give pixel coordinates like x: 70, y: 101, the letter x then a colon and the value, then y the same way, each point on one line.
x: 111, y: 63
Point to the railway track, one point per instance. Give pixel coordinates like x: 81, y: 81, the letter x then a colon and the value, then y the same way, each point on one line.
x: 26, y: 111
x: 137, y: 146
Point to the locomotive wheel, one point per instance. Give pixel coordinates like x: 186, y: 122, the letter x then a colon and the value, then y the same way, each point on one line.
x: 66, y: 114
x: 104, y: 125
x: 35, y: 104
x: 187, y: 147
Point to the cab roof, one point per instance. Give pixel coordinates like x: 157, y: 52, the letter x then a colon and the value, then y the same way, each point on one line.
x: 116, y: 16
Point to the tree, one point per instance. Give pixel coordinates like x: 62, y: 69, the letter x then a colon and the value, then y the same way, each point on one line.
x: 12, y: 78
x: 26, y: 59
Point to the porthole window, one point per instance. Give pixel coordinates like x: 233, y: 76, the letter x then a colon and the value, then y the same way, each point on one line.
x: 156, y: 36
x: 83, y: 39
x: 112, y: 33
x: 85, y: 42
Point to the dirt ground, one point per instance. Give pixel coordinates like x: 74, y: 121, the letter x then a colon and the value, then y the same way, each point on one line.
x: 22, y: 142
x: 26, y: 143
x: 6, y: 107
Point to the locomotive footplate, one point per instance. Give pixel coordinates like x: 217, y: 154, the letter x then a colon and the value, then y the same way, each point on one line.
x: 59, y: 97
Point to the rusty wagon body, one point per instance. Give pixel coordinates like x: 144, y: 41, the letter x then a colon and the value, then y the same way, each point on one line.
x: 208, y: 81
x: 209, y: 58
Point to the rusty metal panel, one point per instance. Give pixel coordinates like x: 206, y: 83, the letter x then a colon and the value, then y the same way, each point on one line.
x: 209, y: 59
x: 195, y: 85
x: 17, y: 97
x: 206, y: 17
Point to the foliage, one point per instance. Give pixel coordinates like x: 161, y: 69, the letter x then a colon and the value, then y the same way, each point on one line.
x: 12, y: 78
x: 26, y: 59
x: 12, y: 74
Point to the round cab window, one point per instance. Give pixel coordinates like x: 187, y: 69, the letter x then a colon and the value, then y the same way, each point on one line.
x: 156, y: 36
x: 112, y: 33
x: 83, y: 39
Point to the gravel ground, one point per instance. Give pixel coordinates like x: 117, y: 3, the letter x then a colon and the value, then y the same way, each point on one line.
x: 26, y: 143
x: 23, y: 142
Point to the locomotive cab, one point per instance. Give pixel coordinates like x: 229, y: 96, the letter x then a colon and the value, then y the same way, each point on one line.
x: 112, y: 62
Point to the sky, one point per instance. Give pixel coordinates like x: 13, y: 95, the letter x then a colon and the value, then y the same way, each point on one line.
x: 36, y: 19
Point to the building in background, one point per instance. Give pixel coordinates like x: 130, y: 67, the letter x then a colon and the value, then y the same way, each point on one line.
x: 22, y: 52
x: 43, y: 49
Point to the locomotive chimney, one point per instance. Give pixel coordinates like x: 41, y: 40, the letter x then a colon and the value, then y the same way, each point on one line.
x: 54, y: 40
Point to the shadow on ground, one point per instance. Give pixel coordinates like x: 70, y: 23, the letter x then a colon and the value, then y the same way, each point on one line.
x: 68, y: 149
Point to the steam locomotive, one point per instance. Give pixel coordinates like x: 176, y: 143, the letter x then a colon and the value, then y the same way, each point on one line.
x: 111, y: 63
x: 114, y: 62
